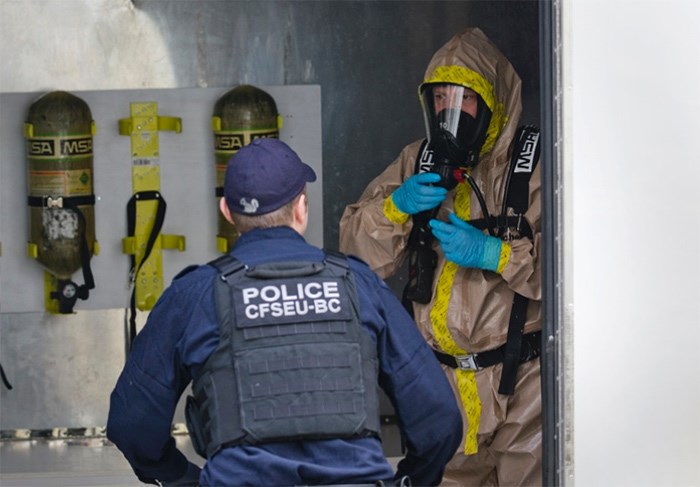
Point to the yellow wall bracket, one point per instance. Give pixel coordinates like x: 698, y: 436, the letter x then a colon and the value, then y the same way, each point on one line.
x: 50, y: 286
x: 222, y: 244
x: 51, y: 303
x: 143, y: 127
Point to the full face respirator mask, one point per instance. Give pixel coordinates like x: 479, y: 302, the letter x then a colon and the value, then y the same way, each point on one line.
x: 455, y: 136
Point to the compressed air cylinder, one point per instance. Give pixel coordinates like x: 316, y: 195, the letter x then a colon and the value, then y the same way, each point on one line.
x: 241, y: 115
x: 59, y: 130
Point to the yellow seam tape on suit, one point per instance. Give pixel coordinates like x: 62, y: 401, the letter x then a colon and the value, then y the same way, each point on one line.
x: 504, y: 257
x: 392, y: 213
x: 466, y: 381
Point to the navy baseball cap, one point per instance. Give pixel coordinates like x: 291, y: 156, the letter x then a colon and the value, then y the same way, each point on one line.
x: 264, y: 176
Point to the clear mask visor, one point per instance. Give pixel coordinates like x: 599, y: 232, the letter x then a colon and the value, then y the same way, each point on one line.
x: 443, y: 105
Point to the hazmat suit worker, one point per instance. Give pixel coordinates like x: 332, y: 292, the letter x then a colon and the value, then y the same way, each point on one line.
x: 483, y: 275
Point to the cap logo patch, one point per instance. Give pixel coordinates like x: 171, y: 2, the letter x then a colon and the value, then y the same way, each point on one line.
x: 249, y: 206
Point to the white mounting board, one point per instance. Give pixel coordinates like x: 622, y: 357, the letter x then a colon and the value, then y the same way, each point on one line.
x: 187, y: 171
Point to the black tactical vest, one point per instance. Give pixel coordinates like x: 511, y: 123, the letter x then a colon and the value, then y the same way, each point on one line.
x: 293, y: 362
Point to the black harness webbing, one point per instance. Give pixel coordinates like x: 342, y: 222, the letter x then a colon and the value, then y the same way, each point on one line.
x: 524, y: 158
x: 155, y: 231
x: 529, y: 350
x: 515, y: 222
x: 523, y: 161
x: 511, y: 358
x: 73, y: 203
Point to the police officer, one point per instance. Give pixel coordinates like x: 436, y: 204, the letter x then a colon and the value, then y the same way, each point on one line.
x: 480, y: 301
x: 284, y: 344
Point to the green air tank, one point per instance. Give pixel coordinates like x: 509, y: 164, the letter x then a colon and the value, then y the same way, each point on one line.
x: 241, y: 115
x: 59, y: 133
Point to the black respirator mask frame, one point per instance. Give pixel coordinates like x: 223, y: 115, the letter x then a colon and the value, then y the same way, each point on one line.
x: 455, y: 137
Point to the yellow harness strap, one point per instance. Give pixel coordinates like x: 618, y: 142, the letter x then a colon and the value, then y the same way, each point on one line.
x: 466, y: 381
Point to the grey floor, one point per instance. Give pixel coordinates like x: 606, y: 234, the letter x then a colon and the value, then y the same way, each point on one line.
x: 65, y: 462
x: 73, y: 462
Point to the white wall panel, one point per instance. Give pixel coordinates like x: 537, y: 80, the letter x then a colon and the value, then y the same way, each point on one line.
x: 632, y: 108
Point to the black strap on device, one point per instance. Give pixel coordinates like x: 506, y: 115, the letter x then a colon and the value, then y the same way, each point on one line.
x: 511, y: 359
x: 422, y: 259
x: 155, y: 231
x: 524, y: 158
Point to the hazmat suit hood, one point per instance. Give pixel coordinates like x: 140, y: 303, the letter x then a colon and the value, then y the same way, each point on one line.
x: 471, y: 60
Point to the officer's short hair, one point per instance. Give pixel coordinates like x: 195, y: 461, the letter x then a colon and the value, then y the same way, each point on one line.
x: 282, y: 216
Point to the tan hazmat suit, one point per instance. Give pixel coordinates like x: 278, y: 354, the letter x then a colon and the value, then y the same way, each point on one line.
x: 470, y: 308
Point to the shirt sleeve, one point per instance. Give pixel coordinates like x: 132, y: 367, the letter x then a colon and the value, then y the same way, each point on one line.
x: 431, y: 426
x: 143, y: 402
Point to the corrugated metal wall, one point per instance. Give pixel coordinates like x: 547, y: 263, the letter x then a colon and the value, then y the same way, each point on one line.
x: 367, y: 56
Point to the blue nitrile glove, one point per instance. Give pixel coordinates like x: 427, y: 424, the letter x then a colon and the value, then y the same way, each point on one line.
x: 190, y: 479
x: 465, y: 245
x: 416, y: 193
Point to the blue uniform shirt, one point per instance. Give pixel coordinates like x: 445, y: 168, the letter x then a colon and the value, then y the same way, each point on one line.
x: 182, y: 332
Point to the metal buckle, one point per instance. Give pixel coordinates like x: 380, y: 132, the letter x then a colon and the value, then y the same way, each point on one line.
x: 54, y: 202
x: 467, y: 362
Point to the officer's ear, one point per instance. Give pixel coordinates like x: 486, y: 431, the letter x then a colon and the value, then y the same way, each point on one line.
x: 225, y: 210
x: 301, y: 213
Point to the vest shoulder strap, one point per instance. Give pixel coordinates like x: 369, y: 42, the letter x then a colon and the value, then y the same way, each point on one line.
x: 337, y: 259
x: 226, y: 264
